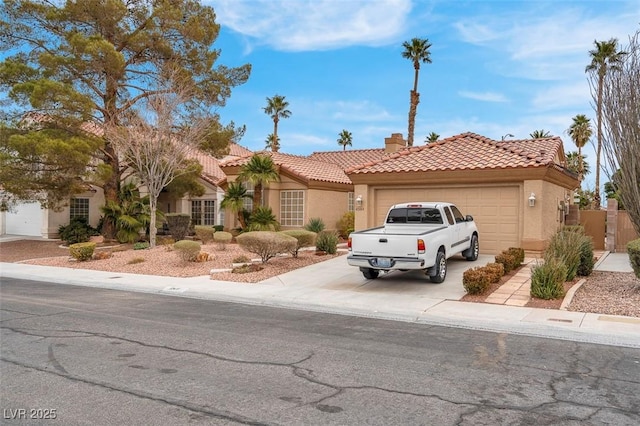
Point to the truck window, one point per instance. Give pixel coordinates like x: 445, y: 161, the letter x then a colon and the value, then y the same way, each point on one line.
x: 431, y: 216
x: 457, y: 215
x: 415, y: 215
x: 397, y: 216
x: 447, y: 211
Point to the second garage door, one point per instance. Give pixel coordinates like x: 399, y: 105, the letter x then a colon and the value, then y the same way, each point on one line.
x: 495, y: 209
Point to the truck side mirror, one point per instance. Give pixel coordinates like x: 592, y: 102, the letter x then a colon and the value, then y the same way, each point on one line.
x: 469, y: 218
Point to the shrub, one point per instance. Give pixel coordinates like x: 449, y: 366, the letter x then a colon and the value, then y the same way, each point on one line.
x: 475, y: 280
x: 518, y: 254
x: 165, y: 241
x: 547, y: 279
x: 565, y: 246
x: 178, y: 224
x: 263, y: 219
x: 187, y: 250
x: 101, y: 255
x: 346, y: 224
x: 136, y: 260
x: 218, y: 228
x: 203, y: 256
x: 141, y: 245
x: 266, y: 244
x: 205, y: 233
x: 327, y: 241
x: 77, y: 231
x: 222, y: 239
x: 241, y: 259
x: 82, y: 251
x: 633, y: 249
x: 315, y: 224
x: 305, y: 239
x: 507, y: 260
x: 245, y: 269
x: 585, y: 268
x: 494, y: 272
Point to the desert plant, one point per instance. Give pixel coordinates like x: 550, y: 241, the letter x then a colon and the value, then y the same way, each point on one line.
x: 82, y: 251
x: 205, y: 233
x: 633, y: 249
x: 218, y: 228
x: 475, y: 280
x: 129, y: 215
x: 518, y: 254
x: 222, y: 238
x: 346, y: 224
x: 142, y: 245
x: 305, y: 239
x: 547, y: 279
x: 165, y: 241
x: 263, y: 219
x: 187, y: 250
x: 494, y: 272
x: 266, y: 244
x: 77, y: 231
x: 241, y: 259
x: 507, y: 260
x: 565, y: 246
x: 327, y: 241
x: 203, y: 256
x: 101, y: 255
x: 178, y: 224
x: 136, y: 260
x: 315, y: 224
x: 585, y: 268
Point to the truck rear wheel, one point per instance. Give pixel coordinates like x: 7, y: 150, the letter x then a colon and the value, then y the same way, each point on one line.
x: 370, y: 274
x: 439, y: 269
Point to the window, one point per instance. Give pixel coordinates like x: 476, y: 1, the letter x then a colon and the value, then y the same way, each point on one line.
x: 292, y: 208
x: 447, y: 211
x: 248, y: 202
x: 351, y: 197
x: 457, y: 214
x: 79, y: 207
x: 415, y: 215
x: 203, y: 212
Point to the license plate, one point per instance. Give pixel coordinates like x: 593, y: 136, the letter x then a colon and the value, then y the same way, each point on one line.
x: 384, y: 262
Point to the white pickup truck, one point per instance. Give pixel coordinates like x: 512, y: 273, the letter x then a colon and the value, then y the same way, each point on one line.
x: 418, y: 235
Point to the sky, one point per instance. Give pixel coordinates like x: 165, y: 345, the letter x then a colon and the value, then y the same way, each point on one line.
x: 498, y: 68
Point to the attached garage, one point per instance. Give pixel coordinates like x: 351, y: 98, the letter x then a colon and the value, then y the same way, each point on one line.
x: 490, y: 180
x: 27, y: 219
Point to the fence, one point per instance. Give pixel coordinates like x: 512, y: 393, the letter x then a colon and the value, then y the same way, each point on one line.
x: 619, y: 228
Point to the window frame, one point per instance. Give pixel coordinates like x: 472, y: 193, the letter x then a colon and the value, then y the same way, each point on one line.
x: 289, y: 216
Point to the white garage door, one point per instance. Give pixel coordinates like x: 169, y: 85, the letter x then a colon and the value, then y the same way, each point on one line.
x: 26, y: 219
x: 495, y: 209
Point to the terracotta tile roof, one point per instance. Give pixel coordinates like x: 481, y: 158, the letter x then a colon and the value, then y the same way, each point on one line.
x: 302, y: 167
x: 467, y: 151
x: 350, y: 158
x: 211, y: 171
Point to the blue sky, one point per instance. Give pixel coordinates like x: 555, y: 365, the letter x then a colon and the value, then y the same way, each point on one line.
x: 499, y: 67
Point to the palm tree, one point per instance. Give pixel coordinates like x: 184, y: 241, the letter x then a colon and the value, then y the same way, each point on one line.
x: 432, y: 137
x: 580, y: 132
x: 272, y: 143
x: 276, y: 108
x: 130, y: 215
x: 540, y: 134
x: 604, y: 57
x: 417, y: 51
x: 259, y: 170
x: 234, y: 200
x: 345, y: 138
x: 576, y: 162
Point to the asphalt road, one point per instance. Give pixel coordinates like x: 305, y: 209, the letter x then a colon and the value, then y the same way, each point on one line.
x: 93, y: 356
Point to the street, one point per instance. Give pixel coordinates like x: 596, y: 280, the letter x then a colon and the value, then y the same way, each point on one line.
x: 74, y: 355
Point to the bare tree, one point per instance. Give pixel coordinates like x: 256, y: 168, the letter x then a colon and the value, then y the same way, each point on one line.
x: 159, y: 139
x: 621, y: 122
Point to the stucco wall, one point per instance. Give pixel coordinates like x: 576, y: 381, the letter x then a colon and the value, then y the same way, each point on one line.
x: 330, y: 206
x: 55, y: 219
x: 542, y: 220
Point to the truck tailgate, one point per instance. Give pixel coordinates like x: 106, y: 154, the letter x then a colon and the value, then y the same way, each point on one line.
x: 394, y: 243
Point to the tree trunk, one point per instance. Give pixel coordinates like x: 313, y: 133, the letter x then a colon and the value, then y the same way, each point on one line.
x: 596, y: 197
x: 275, y: 145
x: 580, y: 166
x: 257, y: 196
x: 153, y: 206
x: 413, y: 107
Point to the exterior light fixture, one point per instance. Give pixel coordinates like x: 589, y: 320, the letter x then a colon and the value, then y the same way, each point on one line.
x: 532, y: 200
x: 359, y: 201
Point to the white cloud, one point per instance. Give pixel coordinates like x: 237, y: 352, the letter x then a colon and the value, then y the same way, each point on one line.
x: 314, y: 24
x: 483, y: 96
x: 571, y: 95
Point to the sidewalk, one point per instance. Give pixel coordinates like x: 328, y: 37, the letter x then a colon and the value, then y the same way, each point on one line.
x: 335, y: 287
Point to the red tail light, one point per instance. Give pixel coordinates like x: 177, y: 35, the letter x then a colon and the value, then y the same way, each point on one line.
x: 349, y: 243
x: 421, y: 246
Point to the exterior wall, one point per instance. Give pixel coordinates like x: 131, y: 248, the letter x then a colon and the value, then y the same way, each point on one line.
x: 330, y: 206
x: 542, y: 220
x: 54, y: 219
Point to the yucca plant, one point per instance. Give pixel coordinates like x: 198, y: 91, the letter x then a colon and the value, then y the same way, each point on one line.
x: 315, y: 224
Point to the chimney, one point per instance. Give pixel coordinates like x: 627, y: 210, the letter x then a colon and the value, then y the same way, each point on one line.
x: 394, y: 144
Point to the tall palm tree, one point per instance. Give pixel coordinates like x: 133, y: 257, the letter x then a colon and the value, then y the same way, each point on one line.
x: 417, y: 51
x: 259, y: 170
x: 234, y: 200
x: 272, y: 143
x: 576, y: 162
x: 345, y: 139
x: 580, y: 132
x: 432, y: 137
x: 540, y: 134
x: 276, y: 108
x: 604, y: 57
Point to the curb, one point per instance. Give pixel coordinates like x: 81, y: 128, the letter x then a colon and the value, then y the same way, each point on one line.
x: 569, y: 297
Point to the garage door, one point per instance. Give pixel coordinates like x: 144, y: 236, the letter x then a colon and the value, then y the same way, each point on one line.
x: 494, y: 208
x: 26, y: 219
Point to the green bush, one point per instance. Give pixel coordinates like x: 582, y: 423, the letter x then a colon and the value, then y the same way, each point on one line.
x: 218, y: 228
x: 315, y: 224
x: 305, y: 239
x: 266, y: 244
x: 263, y: 219
x: 475, y: 280
x: 141, y: 245
x: 565, y: 246
x: 222, y: 238
x: 205, y: 233
x: 77, y: 231
x: 327, y: 241
x: 178, y: 224
x: 494, y: 272
x: 82, y: 251
x: 507, y: 260
x: 187, y: 250
x: 633, y: 249
x: 585, y: 268
x: 346, y: 224
x: 518, y: 254
x: 548, y: 278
